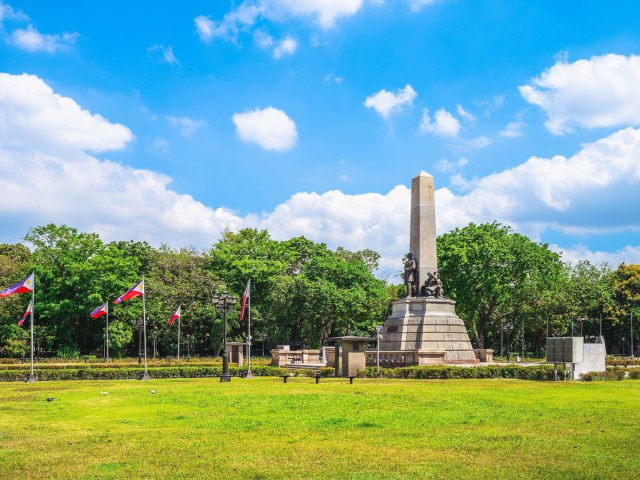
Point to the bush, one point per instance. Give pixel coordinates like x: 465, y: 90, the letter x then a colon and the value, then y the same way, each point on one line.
x: 92, y: 373
x: 612, y: 374
x: 68, y: 352
x: 439, y: 372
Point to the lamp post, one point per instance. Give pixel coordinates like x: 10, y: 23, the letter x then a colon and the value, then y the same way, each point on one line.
x: 582, y: 320
x: 224, y: 301
x: 263, y: 337
x: 378, y: 338
x: 155, y: 339
x: 139, y: 325
x: 631, y: 334
x: 508, y: 328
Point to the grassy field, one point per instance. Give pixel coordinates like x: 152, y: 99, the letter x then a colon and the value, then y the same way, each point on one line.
x: 373, y: 429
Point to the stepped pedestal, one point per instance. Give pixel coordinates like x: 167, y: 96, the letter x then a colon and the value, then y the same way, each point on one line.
x: 426, y: 324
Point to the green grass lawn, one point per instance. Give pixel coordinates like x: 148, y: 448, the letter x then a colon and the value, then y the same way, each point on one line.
x: 373, y: 429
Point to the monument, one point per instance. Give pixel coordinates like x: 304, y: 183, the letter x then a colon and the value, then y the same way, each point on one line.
x: 423, y: 328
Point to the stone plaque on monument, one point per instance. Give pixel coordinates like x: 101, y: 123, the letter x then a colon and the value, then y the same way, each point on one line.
x: 425, y: 323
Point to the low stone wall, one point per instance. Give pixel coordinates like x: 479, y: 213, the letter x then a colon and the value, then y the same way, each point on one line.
x: 484, y: 355
x: 405, y: 358
x: 282, y: 357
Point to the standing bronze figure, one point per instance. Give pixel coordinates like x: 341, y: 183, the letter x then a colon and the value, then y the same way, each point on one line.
x: 410, y: 274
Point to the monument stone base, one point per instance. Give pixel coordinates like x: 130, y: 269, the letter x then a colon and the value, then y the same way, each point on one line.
x: 427, y: 324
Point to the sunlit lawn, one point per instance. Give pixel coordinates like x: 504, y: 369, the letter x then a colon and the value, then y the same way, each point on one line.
x: 262, y: 428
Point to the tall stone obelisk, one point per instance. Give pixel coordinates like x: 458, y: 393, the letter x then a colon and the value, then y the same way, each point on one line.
x: 422, y: 232
x: 424, y: 329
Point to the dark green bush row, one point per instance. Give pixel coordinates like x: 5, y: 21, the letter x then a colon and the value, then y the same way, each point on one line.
x: 133, y: 373
x: 612, y: 373
x: 84, y: 366
x: 537, y: 372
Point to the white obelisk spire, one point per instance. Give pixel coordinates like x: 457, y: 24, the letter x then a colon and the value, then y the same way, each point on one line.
x: 422, y: 237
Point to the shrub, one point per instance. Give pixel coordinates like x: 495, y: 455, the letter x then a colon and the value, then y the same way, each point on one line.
x: 92, y: 373
x: 68, y: 352
x: 439, y: 372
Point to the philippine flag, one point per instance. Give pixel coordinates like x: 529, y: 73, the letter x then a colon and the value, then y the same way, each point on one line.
x: 23, y: 286
x: 136, y: 291
x: 175, y: 316
x: 26, y: 314
x: 101, y: 310
x: 245, y: 297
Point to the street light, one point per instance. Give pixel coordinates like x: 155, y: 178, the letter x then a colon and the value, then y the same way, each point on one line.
x: 263, y: 337
x: 378, y: 338
x: 224, y: 301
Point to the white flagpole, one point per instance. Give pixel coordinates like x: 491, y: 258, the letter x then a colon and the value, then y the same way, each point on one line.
x: 107, y: 332
x: 179, y: 319
x: 32, y: 377
x: 145, y: 375
x: 249, y: 374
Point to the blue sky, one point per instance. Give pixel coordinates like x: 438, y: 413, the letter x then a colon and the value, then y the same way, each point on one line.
x: 174, y: 121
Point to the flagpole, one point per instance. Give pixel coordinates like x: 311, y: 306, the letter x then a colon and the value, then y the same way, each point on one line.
x: 145, y: 375
x: 179, y: 339
x: 107, y: 332
x: 249, y: 374
x: 32, y: 377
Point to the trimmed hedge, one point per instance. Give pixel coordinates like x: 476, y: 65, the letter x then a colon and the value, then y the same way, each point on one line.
x: 612, y: 374
x: 437, y: 372
x: 134, y: 373
x: 623, y: 362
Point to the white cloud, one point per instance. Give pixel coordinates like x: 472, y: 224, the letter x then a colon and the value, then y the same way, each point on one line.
x: 387, y: 103
x: 417, y: 5
x: 32, y: 114
x: 332, y: 77
x: 443, y: 124
x: 599, y: 92
x: 324, y: 12
x: 513, y: 129
x: 445, y: 165
x: 44, y: 138
x: 285, y: 47
x: 163, y: 54
x: 270, y: 128
x: 31, y: 40
x: 629, y: 255
x: 234, y: 22
x: 8, y: 13
x: 187, y: 125
x: 263, y: 39
x: 465, y: 115
x: 47, y: 176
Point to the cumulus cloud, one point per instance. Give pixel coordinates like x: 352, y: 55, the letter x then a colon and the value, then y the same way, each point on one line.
x: 386, y: 103
x: 162, y: 54
x: 46, y: 175
x: 464, y: 114
x: 270, y: 128
x: 417, y: 5
x: 31, y: 40
x: 598, y: 92
x: 188, y: 126
x: 32, y: 114
x: 8, y: 13
x: 443, y: 124
x: 513, y: 129
x: 324, y: 13
x: 285, y: 47
x: 628, y: 254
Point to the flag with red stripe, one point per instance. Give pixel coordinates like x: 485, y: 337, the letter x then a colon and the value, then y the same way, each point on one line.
x: 175, y: 316
x: 101, y: 310
x: 245, y: 297
x: 23, y: 286
x: 136, y: 291
x: 26, y: 314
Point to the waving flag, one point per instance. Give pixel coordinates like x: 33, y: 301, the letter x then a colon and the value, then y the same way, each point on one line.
x: 23, y: 286
x: 245, y: 297
x: 175, y: 316
x: 136, y: 291
x: 26, y: 314
x: 101, y: 310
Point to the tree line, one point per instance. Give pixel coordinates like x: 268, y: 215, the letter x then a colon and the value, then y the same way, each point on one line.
x: 301, y: 291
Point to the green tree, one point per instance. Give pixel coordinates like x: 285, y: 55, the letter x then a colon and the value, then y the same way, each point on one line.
x: 496, y: 276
